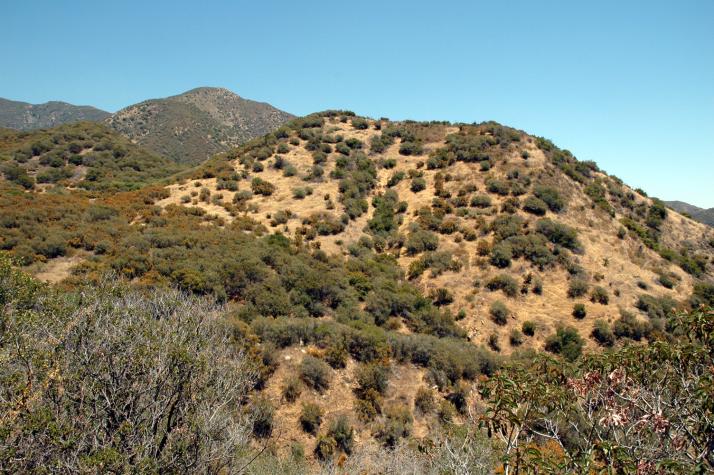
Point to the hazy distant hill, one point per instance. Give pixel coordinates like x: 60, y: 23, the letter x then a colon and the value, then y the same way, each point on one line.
x: 702, y: 215
x: 190, y: 127
x: 23, y: 116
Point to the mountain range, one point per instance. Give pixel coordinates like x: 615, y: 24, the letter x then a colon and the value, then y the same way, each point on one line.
x: 702, y: 215
x: 23, y: 116
x: 187, y: 128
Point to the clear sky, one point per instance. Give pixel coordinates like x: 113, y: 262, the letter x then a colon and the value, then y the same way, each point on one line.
x: 629, y: 84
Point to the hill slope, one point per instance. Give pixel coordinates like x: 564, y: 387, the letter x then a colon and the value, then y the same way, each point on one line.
x: 368, y: 261
x: 190, y: 127
x: 85, y: 155
x: 702, y: 215
x: 475, y: 215
x: 23, y: 116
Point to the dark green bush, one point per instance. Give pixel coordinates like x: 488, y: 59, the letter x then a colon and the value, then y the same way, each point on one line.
x: 577, y: 288
x: 418, y: 184
x: 263, y: 412
x: 292, y: 389
x: 499, y: 187
x: 501, y: 255
x: 551, y: 197
x: 424, y: 400
x: 410, y: 148
x: 262, y: 187
x: 315, y: 373
x: 603, y: 334
x: 481, y: 201
x: 503, y: 282
x: 566, y: 342
x: 515, y: 337
x: 535, y: 206
x: 310, y: 417
x: 499, y: 312
x: 342, y: 432
x: 528, y: 328
x: 558, y: 233
x: 579, y: 311
x: 599, y: 295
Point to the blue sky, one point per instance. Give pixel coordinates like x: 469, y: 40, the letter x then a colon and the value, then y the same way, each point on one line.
x: 629, y: 84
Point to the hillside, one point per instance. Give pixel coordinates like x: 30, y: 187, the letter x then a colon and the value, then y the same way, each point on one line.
x: 702, y: 215
x: 476, y: 216
x: 190, y: 127
x: 23, y: 116
x: 84, y: 155
x: 388, y: 280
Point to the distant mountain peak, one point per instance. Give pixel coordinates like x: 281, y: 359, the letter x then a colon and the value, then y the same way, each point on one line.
x: 25, y: 116
x: 194, y: 125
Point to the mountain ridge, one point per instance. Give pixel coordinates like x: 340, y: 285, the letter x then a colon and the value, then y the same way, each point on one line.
x: 702, y: 215
x: 25, y: 116
x: 194, y: 125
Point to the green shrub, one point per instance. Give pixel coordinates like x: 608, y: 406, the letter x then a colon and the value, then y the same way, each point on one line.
x: 446, y: 412
x: 424, y: 400
x: 359, y: 123
x: 336, y: 355
x: 656, y: 307
x: 292, y: 389
x: 342, y: 432
x: 566, y: 342
x: 503, y: 282
x: 603, y: 334
x: 535, y: 206
x: 494, y: 343
x: 666, y: 281
x: 441, y: 296
x: 263, y: 412
x: 395, y: 179
x: 481, y: 201
x: 558, y: 233
x: 577, y: 287
x: 371, y: 377
x: 410, y: 148
x: 315, y: 373
x: 262, y: 187
x: 397, y: 425
x: 516, y: 337
x: 499, y: 312
x: 325, y: 448
x: 528, y: 328
x: 551, y: 197
x: 599, y: 295
x: 310, y: 417
x: 627, y: 326
x: 579, y: 311
x: 501, y: 255
x: 499, y: 187
x: 703, y: 294
x: 418, y: 184
x: 421, y: 240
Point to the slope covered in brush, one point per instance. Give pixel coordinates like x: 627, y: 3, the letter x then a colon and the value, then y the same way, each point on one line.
x: 85, y: 155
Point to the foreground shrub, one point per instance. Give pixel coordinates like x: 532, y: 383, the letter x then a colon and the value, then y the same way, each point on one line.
x: 147, y: 379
